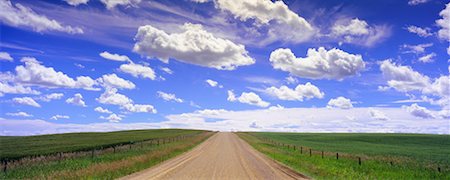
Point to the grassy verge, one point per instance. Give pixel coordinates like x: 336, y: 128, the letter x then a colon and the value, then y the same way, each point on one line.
x: 375, y: 161
x: 108, y: 165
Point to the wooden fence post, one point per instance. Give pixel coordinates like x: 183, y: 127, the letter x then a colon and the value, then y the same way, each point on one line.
x: 301, y: 149
x: 322, y: 154
x: 114, y: 149
x: 359, y: 161
x: 337, y: 156
x: 310, y: 152
x: 5, y: 165
x: 92, y: 153
x: 439, y: 169
x: 294, y: 147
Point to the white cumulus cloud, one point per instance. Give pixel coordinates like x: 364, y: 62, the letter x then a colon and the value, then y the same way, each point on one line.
x: 403, y: 78
x: 113, y: 3
x: 18, y: 15
x: 114, y: 81
x: 7, y: 88
x: 56, y: 117
x: 213, y: 83
x: 102, y: 110
x: 356, y: 31
x: 248, y: 98
x: 194, y: 46
x: 33, y: 73
x: 428, y: 58
x: 26, y: 101
x: 52, y: 96
x: 4, y: 56
x: 378, y: 115
x: 113, y: 118
x: 138, y: 70
x: 340, y: 102
x: 282, y: 23
x: 444, y: 32
x: 114, y: 57
x: 318, y: 64
x: 169, y: 97
x: 419, y: 111
x: 302, y: 91
x: 76, y: 2
x: 110, y: 96
x: 77, y: 100
x: 417, y: 2
x: 422, y: 32
x: 19, y: 114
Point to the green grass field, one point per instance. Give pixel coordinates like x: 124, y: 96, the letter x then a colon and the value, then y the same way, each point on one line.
x: 107, y: 165
x: 19, y: 146
x: 414, y: 156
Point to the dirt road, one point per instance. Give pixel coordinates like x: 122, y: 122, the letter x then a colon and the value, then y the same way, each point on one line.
x: 222, y: 156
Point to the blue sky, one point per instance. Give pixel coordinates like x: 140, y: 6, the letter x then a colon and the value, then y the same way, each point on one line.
x: 259, y: 65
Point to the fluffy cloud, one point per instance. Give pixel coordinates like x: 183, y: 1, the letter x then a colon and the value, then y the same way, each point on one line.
x: 352, y: 27
x: 35, y: 74
x: 138, y: 70
x: 101, y: 110
x: 113, y: 81
x: 110, y: 96
x: 428, y: 58
x: 113, y: 3
x: 4, y: 56
x: 56, y: 117
x: 112, y: 118
x: 26, y: 101
x: 403, y: 78
x: 416, y: 2
x: 318, y: 64
x: 6, y: 88
x: 20, y: 16
x: 291, y: 80
x: 282, y: 23
x: 378, y: 115
x: 52, y: 96
x: 422, y: 32
x: 76, y: 2
x: 19, y: 114
x: 248, y: 98
x: 114, y: 57
x: 340, y: 102
x: 194, y: 46
x: 356, y: 31
x: 444, y: 32
x: 139, y: 108
x: 440, y: 87
x: 300, y: 92
x: 419, y: 111
x: 416, y: 49
x: 213, y: 83
x: 166, y: 70
x: 77, y: 100
x: 169, y: 97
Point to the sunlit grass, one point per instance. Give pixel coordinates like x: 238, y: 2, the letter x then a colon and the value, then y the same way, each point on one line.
x: 107, y: 165
x: 376, y: 157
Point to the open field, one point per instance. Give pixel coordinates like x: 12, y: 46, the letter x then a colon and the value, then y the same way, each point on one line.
x: 105, y: 164
x: 19, y: 146
x: 413, y: 156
